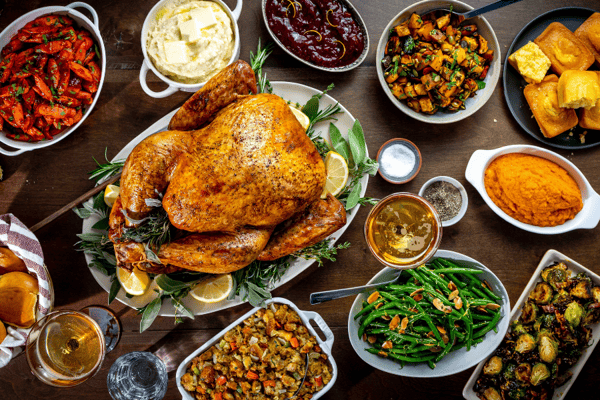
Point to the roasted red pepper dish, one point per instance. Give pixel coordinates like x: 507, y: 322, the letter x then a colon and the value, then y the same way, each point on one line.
x: 49, y: 74
x: 435, y: 64
x: 263, y: 358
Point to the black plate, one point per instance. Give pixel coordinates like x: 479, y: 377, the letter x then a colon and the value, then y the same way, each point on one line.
x: 571, y: 17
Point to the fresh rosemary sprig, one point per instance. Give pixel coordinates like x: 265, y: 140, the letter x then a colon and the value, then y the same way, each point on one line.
x: 256, y: 62
x: 321, y: 251
x: 105, y: 171
x: 154, y: 231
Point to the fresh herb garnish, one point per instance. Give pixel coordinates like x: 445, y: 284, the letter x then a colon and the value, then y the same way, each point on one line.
x: 105, y: 171
x: 480, y: 84
x: 256, y: 62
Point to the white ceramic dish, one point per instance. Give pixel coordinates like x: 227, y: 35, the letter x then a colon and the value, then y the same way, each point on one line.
x: 174, y: 86
x: 550, y: 257
x: 306, y: 317
x: 83, y: 22
x: 472, y: 104
x: 345, y: 68
x: 587, y: 218
x: 290, y: 91
x: 463, y: 194
x: 454, y: 362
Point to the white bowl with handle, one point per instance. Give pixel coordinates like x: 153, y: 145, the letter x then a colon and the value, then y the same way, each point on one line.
x: 175, y: 86
x: 587, y: 218
x: 80, y: 20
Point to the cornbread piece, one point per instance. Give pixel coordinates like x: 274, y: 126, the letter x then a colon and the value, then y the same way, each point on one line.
x: 578, y: 89
x: 590, y: 118
x: 530, y: 62
x: 589, y: 33
x: 543, y: 101
x: 564, y: 49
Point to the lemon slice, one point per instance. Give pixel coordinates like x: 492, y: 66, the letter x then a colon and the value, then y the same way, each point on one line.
x: 337, y: 174
x: 301, y: 117
x: 134, y: 282
x: 110, y: 194
x: 214, y: 289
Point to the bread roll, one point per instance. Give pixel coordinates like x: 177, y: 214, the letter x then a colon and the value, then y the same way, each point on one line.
x: 564, y: 49
x: 10, y: 262
x: 589, y: 34
x: 18, y: 299
x: 578, y: 89
x: 530, y: 62
x: 590, y: 118
x: 543, y: 101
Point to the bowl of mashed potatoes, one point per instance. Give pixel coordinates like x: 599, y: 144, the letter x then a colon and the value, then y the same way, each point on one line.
x: 187, y: 42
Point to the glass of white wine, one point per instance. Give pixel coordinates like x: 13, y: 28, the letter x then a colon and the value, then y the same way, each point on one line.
x: 65, y: 348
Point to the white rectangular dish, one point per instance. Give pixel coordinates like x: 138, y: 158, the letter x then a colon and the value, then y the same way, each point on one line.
x: 306, y: 317
x: 587, y: 218
x: 550, y: 257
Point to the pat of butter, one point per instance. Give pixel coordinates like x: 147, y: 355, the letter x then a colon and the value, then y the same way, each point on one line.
x: 190, y: 30
x: 176, y: 52
x: 204, y: 17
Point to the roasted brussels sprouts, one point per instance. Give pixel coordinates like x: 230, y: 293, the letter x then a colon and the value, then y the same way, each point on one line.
x: 582, y: 287
x: 529, y: 313
x: 539, y: 373
x: 493, y: 366
x: 574, y: 313
x: 517, y: 392
x: 523, y: 372
x: 509, y: 372
x: 596, y: 294
x: 562, y: 297
x: 548, y: 346
x: 491, y: 394
x: 556, y: 276
x: 542, y: 294
x: 518, y: 328
x: 525, y: 343
x: 544, y: 322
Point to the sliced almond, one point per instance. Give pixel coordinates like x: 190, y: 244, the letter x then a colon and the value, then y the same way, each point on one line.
x: 386, y: 317
x: 378, y: 305
x: 382, y: 354
x: 418, y: 297
x: 372, y: 339
x: 437, y: 303
x: 435, y: 349
x: 453, y: 295
x: 430, y: 334
x: 441, y: 329
x: 394, y: 323
x: 404, y: 324
x: 452, y: 286
x: 482, y: 309
x: 429, y: 344
x: 419, y: 290
x: 458, y: 303
x: 445, y: 338
x: 374, y: 296
x: 492, y: 306
x: 486, y: 284
x: 364, y: 337
x: 439, y: 291
x: 387, y: 344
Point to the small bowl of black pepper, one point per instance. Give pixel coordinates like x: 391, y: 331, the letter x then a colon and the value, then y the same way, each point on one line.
x: 448, y: 196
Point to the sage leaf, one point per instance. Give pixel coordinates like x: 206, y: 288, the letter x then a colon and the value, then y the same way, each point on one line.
x: 353, y: 197
x: 181, y: 308
x: 338, y: 142
x: 153, y: 202
x: 311, y: 108
x: 114, y: 290
x: 358, y: 146
x: 91, y: 237
x: 101, y: 225
x: 99, y: 203
x: 257, y: 295
x: 150, y: 313
x: 82, y: 212
x: 170, y: 285
x: 109, y: 258
x: 151, y: 256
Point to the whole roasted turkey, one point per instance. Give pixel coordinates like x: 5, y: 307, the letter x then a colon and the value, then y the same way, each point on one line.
x: 238, y: 176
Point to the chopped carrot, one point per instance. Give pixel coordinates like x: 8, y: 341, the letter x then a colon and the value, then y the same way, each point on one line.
x: 252, y: 375
x: 319, y: 380
x: 221, y: 380
x: 269, y: 383
x: 294, y: 342
x: 218, y: 396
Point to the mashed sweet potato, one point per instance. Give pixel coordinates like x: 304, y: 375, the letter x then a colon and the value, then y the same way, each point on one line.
x: 532, y: 189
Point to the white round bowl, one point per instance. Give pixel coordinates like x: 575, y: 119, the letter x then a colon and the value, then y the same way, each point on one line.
x: 463, y: 194
x: 82, y: 21
x: 472, y: 104
x: 587, y: 218
x: 175, y: 86
x: 453, y: 362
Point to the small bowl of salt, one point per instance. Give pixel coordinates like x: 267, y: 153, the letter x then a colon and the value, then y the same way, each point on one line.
x: 448, y: 196
x: 399, y: 160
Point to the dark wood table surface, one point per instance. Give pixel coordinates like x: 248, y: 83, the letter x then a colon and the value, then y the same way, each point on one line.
x: 38, y: 183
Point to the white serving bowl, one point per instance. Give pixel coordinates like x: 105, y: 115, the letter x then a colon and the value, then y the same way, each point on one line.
x: 587, y: 218
x: 473, y: 103
x: 175, y: 86
x: 306, y: 316
x: 549, y: 258
x: 80, y: 20
x: 463, y: 195
x: 453, y: 362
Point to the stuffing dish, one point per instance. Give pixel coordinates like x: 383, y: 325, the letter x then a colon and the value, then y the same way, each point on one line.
x: 548, y: 338
x: 435, y: 64
x: 262, y: 358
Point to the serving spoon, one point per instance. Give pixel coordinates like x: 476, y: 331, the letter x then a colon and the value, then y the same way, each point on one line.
x: 473, y: 13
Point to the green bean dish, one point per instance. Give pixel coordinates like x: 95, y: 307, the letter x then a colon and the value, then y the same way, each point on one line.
x: 430, y: 311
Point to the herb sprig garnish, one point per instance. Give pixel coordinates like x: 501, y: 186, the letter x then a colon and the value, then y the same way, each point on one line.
x: 105, y: 171
x: 256, y: 62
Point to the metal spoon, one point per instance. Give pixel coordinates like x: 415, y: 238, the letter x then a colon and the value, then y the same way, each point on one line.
x: 322, y: 297
x: 470, y: 14
x: 303, y: 379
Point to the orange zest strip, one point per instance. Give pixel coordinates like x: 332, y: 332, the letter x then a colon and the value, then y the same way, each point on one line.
x: 327, y: 18
x: 312, y: 30
x: 344, y: 47
x: 293, y: 7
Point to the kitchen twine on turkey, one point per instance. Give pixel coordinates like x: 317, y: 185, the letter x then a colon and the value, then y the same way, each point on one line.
x: 22, y: 242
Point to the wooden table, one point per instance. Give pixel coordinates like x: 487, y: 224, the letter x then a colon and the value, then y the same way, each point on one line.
x: 38, y: 183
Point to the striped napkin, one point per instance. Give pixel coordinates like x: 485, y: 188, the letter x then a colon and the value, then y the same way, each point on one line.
x: 19, y: 239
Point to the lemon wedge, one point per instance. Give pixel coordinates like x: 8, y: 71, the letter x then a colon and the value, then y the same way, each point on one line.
x: 337, y: 174
x: 134, y: 282
x: 213, y: 289
x: 110, y: 194
x: 301, y: 117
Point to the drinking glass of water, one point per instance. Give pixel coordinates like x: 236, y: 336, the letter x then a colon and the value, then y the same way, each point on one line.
x: 138, y: 375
